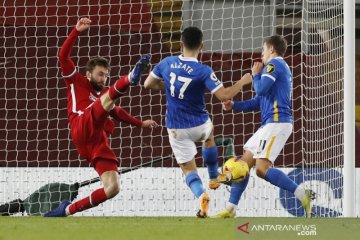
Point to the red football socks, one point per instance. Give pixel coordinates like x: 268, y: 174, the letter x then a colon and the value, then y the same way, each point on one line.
x: 96, y: 197
x: 119, y: 87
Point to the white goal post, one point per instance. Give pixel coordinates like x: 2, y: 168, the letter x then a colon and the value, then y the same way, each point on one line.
x: 349, y: 112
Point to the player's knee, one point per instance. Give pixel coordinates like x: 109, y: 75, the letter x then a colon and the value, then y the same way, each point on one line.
x: 188, y: 167
x: 112, y: 189
x: 260, y: 172
x: 209, y: 143
x: 106, y: 102
x: 262, y: 165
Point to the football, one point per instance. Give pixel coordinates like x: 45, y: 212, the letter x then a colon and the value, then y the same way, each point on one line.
x: 238, y: 169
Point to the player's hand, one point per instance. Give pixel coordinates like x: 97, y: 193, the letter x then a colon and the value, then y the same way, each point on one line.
x: 147, y: 69
x: 149, y: 124
x: 83, y: 24
x: 257, y: 67
x: 228, y: 105
x: 246, y: 79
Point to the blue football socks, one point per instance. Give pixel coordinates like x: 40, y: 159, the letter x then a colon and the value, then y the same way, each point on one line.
x: 194, y: 182
x: 280, y: 179
x: 237, y: 188
x: 210, y: 156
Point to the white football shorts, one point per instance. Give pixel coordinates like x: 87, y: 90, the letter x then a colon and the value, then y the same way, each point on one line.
x: 182, y: 141
x: 269, y: 140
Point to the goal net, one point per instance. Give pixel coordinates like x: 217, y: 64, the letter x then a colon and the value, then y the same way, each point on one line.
x: 36, y: 147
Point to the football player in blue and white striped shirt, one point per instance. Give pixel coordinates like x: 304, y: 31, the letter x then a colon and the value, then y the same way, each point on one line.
x: 273, y: 85
x: 185, y: 79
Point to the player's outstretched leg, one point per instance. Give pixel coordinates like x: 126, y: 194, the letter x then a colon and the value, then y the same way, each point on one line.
x: 133, y: 78
x: 107, y: 170
x: 281, y: 180
x: 66, y: 208
x: 237, y: 188
x: 141, y: 66
x: 95, y: 198
x: 60, y: 211
x: 119, y: 88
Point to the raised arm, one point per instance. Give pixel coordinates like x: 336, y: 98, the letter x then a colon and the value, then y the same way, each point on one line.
x: 66, y: 63
x: 261, y: 82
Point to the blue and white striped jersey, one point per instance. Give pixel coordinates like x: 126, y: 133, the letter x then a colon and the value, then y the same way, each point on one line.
x: 185, y: 82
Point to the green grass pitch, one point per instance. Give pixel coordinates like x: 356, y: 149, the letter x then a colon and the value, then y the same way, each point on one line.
x: 187, y: 228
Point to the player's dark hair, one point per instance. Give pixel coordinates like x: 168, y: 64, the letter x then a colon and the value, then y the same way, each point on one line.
x: 278, y: 42
x: 97, y: 61
x: 192, y: 37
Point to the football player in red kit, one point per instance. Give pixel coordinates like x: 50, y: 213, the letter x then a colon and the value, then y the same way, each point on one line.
x: 90, y: 103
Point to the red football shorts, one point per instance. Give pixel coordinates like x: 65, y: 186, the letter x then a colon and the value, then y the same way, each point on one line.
x: 104, y: 165
x: 90, y: 131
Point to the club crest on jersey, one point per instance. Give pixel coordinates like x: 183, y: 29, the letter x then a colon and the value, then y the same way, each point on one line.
x: 92, y: 97
x: 214, y: 78
x: 270, y: 68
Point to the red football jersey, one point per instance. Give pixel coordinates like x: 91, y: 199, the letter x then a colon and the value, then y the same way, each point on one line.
x: 80, y: 94
x: 89, y: 137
